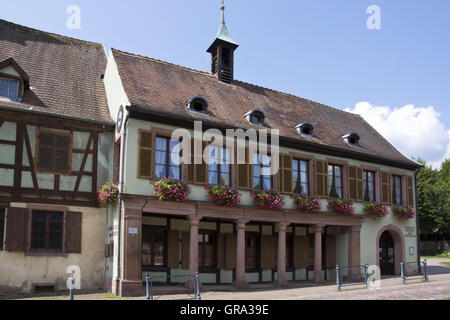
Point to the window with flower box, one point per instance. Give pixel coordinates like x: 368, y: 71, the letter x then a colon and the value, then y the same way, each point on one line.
x: 167, y: 158
x: 219, y: 168
x: 369, y: 186
x: 335, y: 181
x: 396, y: 190
x: 300, y: 175
x: 262, y: 178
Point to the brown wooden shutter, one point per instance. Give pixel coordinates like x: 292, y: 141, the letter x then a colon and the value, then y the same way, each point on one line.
x: 221, y: 251
x: 73, y: 232
x: 330, y: 251
x: 185, y: 239
x: 190, y: 166
x: 352, y: 183
x: 321, y: 168
x: 230, y: 251
x: 201, y: 170
x: 385, y: 187
x: 146, y: 146
x: 286, y: 173
x: 16, y: 229
x: 409, y: 191
x: 267, y: 252
x: 359, y: 184
x: 244, y: 173
x: 173, y: 243
x: 301, y: 249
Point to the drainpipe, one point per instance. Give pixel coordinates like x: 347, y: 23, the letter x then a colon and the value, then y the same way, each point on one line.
x: 121, y: 187
x: 417, y: 219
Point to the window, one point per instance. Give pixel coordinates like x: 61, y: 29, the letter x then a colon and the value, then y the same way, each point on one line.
x: 335, y: 181
x: 251, y: 251
x: 9, y: 88
x: 305, y: 129
x: 198, y: 104
x: 153, y: 246
x: 300, y: 176
x: 369, y: 185
x: 219, y: 168
x: 47, y: 231
x: 167, y: 158
x: 396, y: 190
x: 54, y: 151
x: 352, y: 139
x: 256, y: 117
x: 262, y: 179
x: 2, y: 227
x: 206, y: 249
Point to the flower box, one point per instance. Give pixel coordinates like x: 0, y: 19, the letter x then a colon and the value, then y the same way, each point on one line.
x: 108, y: 194
x: 404, y: 212
x: 223, y: 196
x: 376, y: 209
x: 308, y: 204
x: 171, y: 190
x: 340, y: 206
x: 268, y: 200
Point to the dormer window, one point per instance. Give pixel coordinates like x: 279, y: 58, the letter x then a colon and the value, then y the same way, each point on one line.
x: 13, y: 80
x: 9, y: 88
x: 256, y: 117
x: 352, y: 139
x: 305, y: 129
x: 198, y: 104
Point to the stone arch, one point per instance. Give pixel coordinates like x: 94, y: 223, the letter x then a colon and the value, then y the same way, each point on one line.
x: 399, y: 245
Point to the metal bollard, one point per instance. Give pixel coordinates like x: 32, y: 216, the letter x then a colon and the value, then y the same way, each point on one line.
x: 197, y: 287
x: 338, y: 278
x: 402, y: 272
x: 146, y: 287
x: 366, y: 275
x: 425, y: 270
x: 72, y: 281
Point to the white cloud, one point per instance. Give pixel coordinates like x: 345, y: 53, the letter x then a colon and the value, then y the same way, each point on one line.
x: 414, y: 131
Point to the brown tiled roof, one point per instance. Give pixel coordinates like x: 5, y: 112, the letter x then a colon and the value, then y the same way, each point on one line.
x: 163, y: 87
x: 64, y: 73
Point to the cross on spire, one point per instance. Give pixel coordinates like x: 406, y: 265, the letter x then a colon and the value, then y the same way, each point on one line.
x: 222, y: 8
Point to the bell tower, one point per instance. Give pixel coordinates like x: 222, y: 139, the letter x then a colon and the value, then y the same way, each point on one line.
x: 222, y: 52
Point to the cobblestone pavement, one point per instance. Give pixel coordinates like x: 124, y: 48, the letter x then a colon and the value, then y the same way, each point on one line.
x: 391, y: 289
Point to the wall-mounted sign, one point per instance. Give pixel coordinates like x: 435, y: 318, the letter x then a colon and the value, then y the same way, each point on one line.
x: 132, y: 231
x: 411, y: 250
x: 119, y: 119
x: 410, y: 232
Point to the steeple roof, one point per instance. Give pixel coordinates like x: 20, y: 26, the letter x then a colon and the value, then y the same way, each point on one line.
x: 223, y: 34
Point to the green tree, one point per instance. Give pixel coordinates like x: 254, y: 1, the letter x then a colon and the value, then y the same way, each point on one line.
x: 433, y: 200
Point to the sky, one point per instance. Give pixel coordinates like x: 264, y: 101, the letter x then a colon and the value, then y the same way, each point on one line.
x: 397, y: 76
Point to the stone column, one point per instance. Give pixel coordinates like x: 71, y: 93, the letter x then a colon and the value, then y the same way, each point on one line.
x: 130, y: 283
x: 240, y: 283
x: 193, y: 244
x: 281, y: 264
x: 354, y: 251
x: 318, y: 253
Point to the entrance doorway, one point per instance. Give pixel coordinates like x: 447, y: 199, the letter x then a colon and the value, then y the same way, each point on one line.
x: 387, y: 254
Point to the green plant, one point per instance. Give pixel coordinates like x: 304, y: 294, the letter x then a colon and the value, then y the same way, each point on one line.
x: 268, y: 200
x: 340, y: 206
x: 224, y: 196
x: 108, y: 193
x: 376, y: 209
x: 171, y: 189
x: 404, y: 212
x: 308, y: 204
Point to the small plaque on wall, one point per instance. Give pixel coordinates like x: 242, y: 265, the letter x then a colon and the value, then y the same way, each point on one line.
x: 411, y: 250
x: 132, y: 231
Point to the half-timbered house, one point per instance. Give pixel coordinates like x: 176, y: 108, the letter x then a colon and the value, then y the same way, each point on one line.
x: 324, y: 152
x: 55, y: 150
